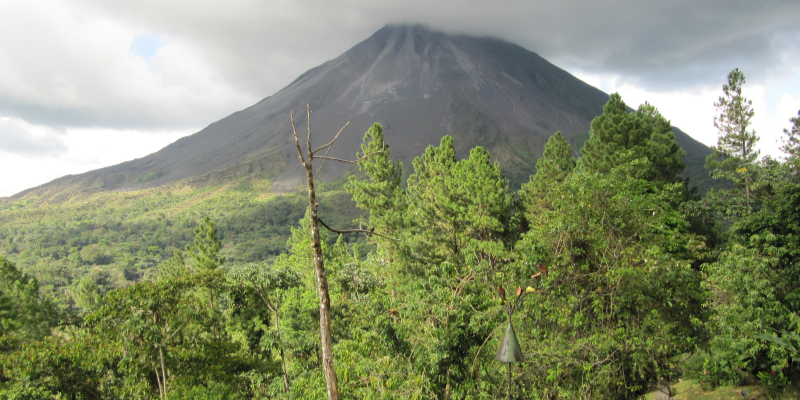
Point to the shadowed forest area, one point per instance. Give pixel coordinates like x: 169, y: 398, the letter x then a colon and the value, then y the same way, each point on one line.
x: 626, y: 280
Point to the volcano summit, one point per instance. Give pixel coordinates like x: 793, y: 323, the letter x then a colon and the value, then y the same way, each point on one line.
x: 420, y: 84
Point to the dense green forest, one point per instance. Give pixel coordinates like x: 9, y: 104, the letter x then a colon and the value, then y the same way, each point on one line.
x: 618, y: 278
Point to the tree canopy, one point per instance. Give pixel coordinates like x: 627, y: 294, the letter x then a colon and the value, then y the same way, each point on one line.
x: 616, y: 292
x: 644, y: 133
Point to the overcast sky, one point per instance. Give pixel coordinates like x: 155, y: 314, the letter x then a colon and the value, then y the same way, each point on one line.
x: 90, y: 83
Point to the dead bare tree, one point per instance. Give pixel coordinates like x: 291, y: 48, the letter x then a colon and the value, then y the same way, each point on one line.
x: 319, y: 266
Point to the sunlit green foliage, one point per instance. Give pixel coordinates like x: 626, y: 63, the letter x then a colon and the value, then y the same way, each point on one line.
x: 620, y: 301
x: 754, y: 280
x: 24, y: 314
x: 554, y: 167
x: 119, y: 238
x: 645, y: 133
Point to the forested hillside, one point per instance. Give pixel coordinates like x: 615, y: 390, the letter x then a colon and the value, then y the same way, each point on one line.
x: 119, y: 237
x: 614, y: 278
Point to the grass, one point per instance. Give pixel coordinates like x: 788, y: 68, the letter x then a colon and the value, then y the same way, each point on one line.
x: 691, y: 390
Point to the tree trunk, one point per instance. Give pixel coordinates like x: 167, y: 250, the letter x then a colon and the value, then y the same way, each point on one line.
x: 447, y: 386
x: 322, y: 288
x: 163, y: 371
x: 158, y: 380
x: 283, y: 357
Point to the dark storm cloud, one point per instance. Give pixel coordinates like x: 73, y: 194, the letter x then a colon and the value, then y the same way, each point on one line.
x: 261, y: 46
x: 220, y: 57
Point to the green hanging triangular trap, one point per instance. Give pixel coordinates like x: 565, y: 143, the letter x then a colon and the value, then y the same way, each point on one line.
x: 509, y: 350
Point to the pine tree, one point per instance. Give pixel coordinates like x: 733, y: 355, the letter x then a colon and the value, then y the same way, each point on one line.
x: 734, y: 155
x: 205, y: 251
x: 645, y: 133
x: 87, y: 295
x: 380, y: 192
x: 173, y: 267
x: 607, y: 131
x: 483, y: 191
x: 433, y: 205
x: 791, y: 144
x: 459, y: 214
x: 376, y: 193
x: 660, y: 148
x: 556, y: 163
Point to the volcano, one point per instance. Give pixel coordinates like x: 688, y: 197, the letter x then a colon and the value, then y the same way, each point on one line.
x: 420, y: 84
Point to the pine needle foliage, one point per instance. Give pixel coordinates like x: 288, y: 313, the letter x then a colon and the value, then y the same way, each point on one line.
x: 206, y: 246
x: 791, y: 142
x: 645, y: 133
x: 556, y: 163
x: 735, y: 154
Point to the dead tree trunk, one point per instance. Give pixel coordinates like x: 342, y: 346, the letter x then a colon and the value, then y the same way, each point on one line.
x: 322, y: 290
x: 319, y: 266
x: 326, y: 342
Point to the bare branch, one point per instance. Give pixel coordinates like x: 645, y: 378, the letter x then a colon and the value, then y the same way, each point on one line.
x: 329, y: 145
x: 331, y: 142
x: 351, y: 161
x: 353, y: 230
x: 308, y: 142
x: 296, y: 141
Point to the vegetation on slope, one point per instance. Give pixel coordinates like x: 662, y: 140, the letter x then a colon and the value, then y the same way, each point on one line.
x: 117, y: 238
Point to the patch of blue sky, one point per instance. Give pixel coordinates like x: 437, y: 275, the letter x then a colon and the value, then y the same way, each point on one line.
x: 145, y: 45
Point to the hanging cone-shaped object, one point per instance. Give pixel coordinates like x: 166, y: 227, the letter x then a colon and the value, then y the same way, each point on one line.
x: 509, y: 350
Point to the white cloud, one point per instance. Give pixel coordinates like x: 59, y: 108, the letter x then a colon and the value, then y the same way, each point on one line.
x: 84, y: 150
x: 73, y: 67
x: 771, y: 119
x: 693, y: 110
x: 20, y: 137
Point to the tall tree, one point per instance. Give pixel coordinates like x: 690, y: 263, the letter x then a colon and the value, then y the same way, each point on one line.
x: 433, y: 206
x: 460, y: 213
x: 380, y: 192
x: 642, y: 133
x: 791, y: 143
x: 326, y: 340
x: 556, y: 163
x: 735, y: 154
x: 271, y: 284
x: 618, y: 300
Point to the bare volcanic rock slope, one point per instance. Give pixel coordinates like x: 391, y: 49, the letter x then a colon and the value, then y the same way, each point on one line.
x: 418, y: 83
